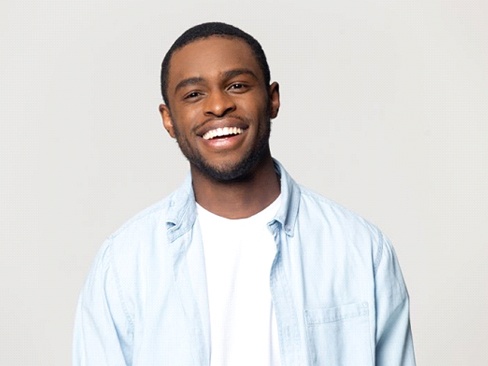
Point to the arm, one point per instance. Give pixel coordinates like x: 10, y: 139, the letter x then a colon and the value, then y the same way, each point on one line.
x: 394, y: 345
x: 103, y: 329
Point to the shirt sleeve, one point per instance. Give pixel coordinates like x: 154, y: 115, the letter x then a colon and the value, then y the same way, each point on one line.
x: 103, y: 329
x: 394, y: 345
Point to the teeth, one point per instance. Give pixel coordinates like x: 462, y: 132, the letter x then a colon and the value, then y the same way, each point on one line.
x: 222, y: 131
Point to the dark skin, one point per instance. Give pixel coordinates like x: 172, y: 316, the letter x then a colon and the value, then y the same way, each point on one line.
x: 216, y: 83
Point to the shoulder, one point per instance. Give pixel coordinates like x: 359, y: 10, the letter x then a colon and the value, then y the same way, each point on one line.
x: 135, y: 246
x: 144, y: 229
x: 148, y: 219
x: 328, y: 210
x: 323, y: 219
x: 339, y: 224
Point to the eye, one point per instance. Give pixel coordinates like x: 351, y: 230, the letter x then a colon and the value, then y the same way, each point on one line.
x: 192, y: 95
x: 238, y: 87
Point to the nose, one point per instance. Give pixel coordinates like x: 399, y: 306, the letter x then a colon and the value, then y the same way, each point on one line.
x: 219, y: 103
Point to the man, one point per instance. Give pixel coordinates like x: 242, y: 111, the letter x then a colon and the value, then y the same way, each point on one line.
x: 240, y: 266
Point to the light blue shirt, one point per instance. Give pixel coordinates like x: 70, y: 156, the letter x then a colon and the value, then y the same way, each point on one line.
x: 337, y: 289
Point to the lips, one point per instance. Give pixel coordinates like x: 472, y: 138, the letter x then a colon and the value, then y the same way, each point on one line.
x: 222, y: 132
x: 218, y: 129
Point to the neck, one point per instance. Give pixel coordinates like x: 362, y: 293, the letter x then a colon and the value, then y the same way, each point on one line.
x: 238, y: 199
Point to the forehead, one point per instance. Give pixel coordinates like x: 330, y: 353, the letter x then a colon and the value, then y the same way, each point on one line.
x: 212, y: 56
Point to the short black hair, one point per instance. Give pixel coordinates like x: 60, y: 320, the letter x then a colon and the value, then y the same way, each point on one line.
x: 209, y: 29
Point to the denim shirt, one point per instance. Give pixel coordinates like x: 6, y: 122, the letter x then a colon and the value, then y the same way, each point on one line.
x: 336, y: 286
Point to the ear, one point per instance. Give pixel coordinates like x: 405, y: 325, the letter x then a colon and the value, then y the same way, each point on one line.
x: 274, y: 99
x: 167, y: 119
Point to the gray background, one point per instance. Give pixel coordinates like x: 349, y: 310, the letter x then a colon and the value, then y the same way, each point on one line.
x: 384, y: 109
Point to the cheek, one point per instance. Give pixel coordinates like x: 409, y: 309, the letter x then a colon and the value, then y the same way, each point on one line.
x: 254, y: 109
x: 180, y: 122
x: 188, y: 116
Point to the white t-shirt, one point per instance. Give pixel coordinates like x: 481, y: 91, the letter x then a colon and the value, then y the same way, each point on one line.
x: 238, y: 258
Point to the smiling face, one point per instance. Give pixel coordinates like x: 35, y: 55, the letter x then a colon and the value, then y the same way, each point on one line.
x: 219, y: 108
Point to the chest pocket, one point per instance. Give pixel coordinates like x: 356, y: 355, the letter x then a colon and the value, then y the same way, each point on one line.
x: 339, y: 336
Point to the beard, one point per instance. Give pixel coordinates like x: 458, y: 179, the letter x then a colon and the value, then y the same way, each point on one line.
x: 236, y: 172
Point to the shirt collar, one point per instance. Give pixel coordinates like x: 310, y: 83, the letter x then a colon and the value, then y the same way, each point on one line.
x: 181, y: 214
x: 290, y: 192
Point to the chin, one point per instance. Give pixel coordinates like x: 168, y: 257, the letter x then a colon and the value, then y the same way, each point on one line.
x: 236, y: 173
x: 226, y: 173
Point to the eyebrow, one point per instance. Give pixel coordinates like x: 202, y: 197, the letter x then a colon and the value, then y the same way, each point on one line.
x: 226, y: 75
x: 236, y: 72
x: 186, y: 82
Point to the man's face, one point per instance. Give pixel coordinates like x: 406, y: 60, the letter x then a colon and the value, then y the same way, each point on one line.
x: 219, y: 108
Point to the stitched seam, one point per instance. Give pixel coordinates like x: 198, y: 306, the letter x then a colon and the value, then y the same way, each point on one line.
x: 379, y: 254
x: 119, y: 290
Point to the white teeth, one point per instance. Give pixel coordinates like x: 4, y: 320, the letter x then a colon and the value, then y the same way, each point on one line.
x: 222, y: 131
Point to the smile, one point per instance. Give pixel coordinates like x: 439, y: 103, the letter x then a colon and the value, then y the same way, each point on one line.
x: 222, y: 132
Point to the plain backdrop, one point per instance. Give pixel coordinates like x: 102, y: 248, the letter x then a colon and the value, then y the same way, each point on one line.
x: 384, y: 110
